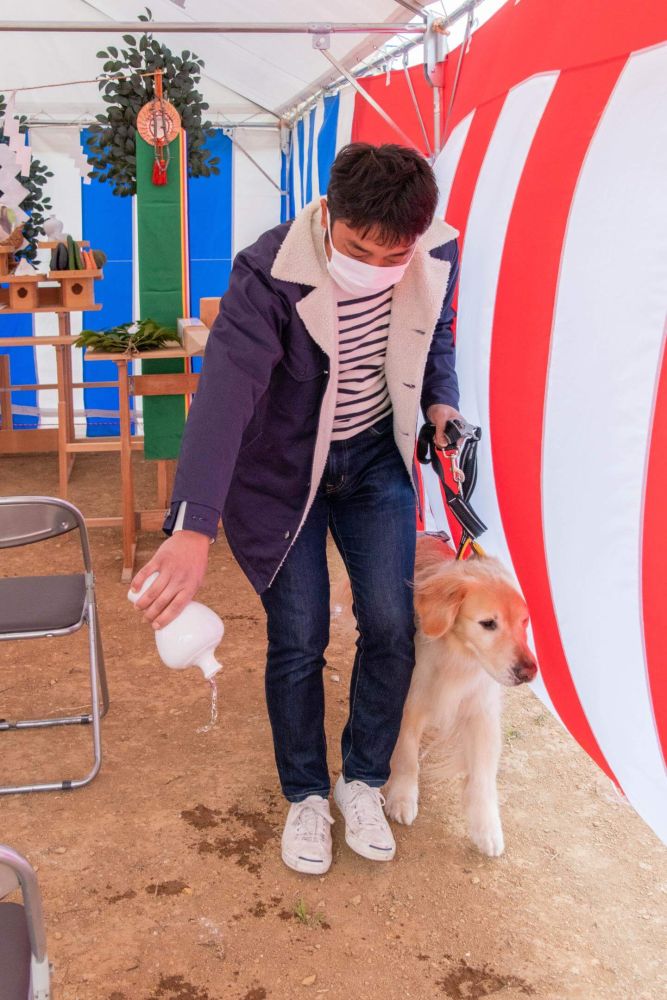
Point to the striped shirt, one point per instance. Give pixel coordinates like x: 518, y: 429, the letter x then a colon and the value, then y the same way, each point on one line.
x: 362, y: 397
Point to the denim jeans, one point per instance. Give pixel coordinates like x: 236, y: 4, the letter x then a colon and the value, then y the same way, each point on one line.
x: 365, y: 498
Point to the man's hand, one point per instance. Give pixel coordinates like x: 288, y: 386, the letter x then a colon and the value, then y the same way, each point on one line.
x: 440, y: 414
x: 181, y: 562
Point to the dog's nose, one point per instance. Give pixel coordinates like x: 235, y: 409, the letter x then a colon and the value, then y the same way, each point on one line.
x: 524, y: 671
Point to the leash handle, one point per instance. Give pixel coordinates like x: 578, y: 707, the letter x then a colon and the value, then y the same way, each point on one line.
x: 459, y: 429
x: 428, y: 454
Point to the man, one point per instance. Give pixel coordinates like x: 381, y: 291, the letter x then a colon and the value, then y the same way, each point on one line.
x: 334, y: 328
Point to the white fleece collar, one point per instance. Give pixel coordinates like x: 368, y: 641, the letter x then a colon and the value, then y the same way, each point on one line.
x: 302, y: 260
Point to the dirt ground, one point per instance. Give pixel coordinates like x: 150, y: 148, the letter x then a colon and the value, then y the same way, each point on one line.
x: 162, y: 880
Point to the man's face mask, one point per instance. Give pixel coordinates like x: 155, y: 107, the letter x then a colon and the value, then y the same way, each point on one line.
x: 359, y: 278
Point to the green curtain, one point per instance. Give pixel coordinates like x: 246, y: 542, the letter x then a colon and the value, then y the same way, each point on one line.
x: 161, y: 294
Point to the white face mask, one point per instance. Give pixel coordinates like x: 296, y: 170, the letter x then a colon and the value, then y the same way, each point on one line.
x: 359, y: 278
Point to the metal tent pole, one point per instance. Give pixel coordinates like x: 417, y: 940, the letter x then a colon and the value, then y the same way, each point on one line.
x: 215, y: 27
x: 252, y: 159
x: 455, y: 84
x: 89, y: 120
x: 367, y: 97
x: 408, y: 80
x: 295, y: 111
x: 437, y: 119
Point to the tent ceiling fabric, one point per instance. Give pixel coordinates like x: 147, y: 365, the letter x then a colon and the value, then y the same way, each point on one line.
x: 246, y: 75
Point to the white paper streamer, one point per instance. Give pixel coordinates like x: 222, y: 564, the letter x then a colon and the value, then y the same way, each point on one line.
x: 24, y: 157
x: 10, y: 125
x: 15, y: 157
x: 82, y: 163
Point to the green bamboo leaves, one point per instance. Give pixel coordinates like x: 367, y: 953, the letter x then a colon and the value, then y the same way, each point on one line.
x: 128, y: 338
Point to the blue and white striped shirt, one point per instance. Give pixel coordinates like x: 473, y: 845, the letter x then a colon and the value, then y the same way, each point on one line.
x: 363, y: 328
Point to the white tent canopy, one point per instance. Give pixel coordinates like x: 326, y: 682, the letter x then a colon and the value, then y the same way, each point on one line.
x: 252, y: 78
x: 258, y: 76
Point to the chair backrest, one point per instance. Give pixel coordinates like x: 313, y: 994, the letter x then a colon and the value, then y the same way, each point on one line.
x: 24, y: 520
x: 32, y: 900
x: 9, y: 880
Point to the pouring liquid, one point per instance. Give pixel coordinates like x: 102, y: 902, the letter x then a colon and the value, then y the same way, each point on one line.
x: 189, y: 640
x: 214, y: 707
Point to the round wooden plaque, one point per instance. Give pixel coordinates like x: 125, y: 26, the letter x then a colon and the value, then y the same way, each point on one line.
x: 158, y: 122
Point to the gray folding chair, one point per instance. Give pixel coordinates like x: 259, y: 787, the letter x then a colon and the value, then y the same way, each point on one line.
x: 39, y: 607
x: 24, y: 964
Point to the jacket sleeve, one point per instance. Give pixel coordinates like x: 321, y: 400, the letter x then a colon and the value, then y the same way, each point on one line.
x: 243, y: 348
x: 440, y: 383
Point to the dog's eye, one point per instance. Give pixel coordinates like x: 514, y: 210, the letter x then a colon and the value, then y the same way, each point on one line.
x: 489, y: 623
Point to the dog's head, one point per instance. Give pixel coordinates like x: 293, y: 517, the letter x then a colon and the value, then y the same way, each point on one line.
x: 474, y: 603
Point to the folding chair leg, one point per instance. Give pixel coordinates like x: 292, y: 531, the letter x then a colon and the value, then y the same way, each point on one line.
x: 101, y: 669
x: 98, y: 682
x: 58, y: 720
x: 95, y: 680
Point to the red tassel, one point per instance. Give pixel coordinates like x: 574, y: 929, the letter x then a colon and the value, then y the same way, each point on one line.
x: 159, y: 172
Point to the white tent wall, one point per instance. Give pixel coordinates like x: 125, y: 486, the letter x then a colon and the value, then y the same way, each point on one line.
x: 256, y: 201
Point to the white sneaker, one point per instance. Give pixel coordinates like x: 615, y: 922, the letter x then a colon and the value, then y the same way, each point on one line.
x: 366, y: 829
x: 306, y: 841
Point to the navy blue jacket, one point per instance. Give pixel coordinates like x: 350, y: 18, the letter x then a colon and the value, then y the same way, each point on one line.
x: 247, y: 451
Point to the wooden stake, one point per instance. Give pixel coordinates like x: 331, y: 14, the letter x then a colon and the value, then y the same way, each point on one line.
x: 5, y: 394
x: 127, y: 483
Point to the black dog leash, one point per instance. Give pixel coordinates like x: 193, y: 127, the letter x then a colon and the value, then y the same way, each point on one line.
x: 461, y: 450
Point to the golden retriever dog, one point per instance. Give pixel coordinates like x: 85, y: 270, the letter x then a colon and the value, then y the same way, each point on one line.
x: 470, y: 643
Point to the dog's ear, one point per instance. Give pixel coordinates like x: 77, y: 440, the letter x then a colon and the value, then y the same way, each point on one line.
x: 438, y: 599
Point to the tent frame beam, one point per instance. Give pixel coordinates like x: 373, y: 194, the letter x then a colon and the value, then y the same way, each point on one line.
x: 290, y: 113
x: 415, y: 104
x: 34, y: 121
x: 229, y: 133
x: 367, y: 97
x: 214, y: 27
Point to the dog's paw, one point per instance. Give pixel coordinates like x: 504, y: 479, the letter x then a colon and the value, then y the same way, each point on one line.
x: 488, y: 838
x: 401, y: 804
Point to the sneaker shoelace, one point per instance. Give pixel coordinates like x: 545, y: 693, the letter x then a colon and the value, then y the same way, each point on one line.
x: 309, y: 825
x: 367, y: 804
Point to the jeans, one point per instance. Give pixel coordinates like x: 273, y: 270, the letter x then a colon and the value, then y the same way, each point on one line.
x: 366, y: 499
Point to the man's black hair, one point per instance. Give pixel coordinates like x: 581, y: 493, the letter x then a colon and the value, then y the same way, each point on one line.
x: 388, y: 191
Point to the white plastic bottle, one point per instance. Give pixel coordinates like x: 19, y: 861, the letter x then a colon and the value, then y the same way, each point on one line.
x: 190, y: 639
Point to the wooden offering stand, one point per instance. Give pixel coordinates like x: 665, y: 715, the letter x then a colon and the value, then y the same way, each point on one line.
x: 72, y: 291
x: 169, y: 384
x: 60, y: 292
x: 194, y: 335
x: 21, y: 296
x: 6, y: 257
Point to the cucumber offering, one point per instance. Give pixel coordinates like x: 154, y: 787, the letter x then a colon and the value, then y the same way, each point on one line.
x: 61, y: 258
x: 71, y: 255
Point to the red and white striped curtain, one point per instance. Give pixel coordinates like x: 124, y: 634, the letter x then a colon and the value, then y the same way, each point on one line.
x: 554, y: 171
